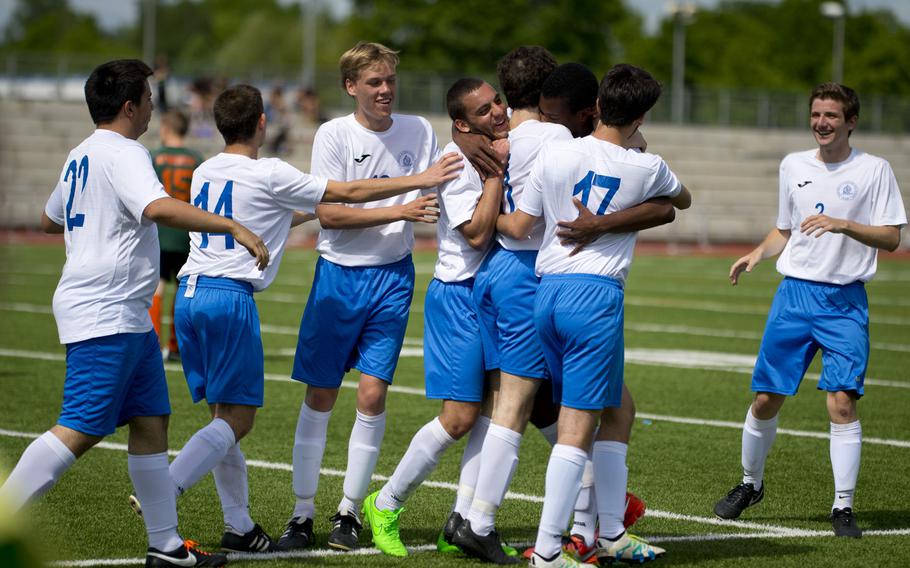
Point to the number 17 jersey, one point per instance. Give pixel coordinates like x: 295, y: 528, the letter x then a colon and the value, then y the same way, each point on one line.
x: 605, y: 178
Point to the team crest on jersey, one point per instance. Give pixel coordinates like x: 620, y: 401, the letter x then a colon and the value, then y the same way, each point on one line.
x: 406, y: 160
x: 846, y: 191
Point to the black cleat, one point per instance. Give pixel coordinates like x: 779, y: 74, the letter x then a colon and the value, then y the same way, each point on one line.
x: 844, y: 522
x: 184, y: 556
x: 345, y: 531
x: 297, y: 535
x: 254, y: 541
x: 487, y: 548
x: 742, y: 496
x: 452, y: 523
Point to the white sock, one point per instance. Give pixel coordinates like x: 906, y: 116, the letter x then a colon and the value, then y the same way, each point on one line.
x: 201, y: 454
x: 309, y: 445
x: 610, y: 479
x: 584, y: 519
x: 155, y: 490
x: 40, y: 466
x: 470, y: 466
x: 549, y: 433
x: 498, y: 460
x: 564, y: 473
x: 758, y: 436
x: 233, y: 488
x: 363, y: 451
x: 418, y: 462
x: 846, y: 444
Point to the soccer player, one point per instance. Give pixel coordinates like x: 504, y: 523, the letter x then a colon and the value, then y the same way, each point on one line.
x: 357, y: 310
x: 838, y: 206
x: 453, y: 350
x: 105, y: 204
x: 217, y: 319
x: 174, y: 164
x: 578, y: 310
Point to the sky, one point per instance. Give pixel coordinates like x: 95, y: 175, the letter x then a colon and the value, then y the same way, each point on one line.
x: 113, y: 14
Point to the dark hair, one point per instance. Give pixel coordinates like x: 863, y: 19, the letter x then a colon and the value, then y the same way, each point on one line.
x: 112, y: 84
x: 461, y: 87
x: 521, y: 73
x: 626, y: 93
x: 177, y: 121
x: 573, y: 82
x: 237, y: 112
x: 837, y: 92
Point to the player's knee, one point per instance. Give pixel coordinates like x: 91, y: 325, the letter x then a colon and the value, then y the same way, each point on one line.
x: 321, y: 400
x: 371, y: 400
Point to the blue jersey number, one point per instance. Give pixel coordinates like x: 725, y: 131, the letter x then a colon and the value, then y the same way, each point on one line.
x: 591, y: 180
x: 820, y: 207
x: 223, y: 208
x: 73, y: 173
x: 507, y: 187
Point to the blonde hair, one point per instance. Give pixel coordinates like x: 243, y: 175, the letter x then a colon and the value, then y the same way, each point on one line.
x: 364, y: 54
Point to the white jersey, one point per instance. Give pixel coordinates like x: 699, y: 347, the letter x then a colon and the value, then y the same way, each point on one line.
x: 112, y: 253
x: 344, y: 150
x: 862, y: 189
x: 261, y: 195
x: 458, y: 199
x: 606, y: 178
x: 525, y: 142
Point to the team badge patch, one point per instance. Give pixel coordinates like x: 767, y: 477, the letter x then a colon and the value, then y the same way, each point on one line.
x: 846, y: 191
x: 406, y: 160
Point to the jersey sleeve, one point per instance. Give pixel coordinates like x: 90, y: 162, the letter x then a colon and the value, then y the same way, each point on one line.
x: 135, y: 180
x: 328, y: 155
x: 54, y: 207
x: 887, y: 204
x: 784, y: 211
x: 531, y: 201
x: 434, y: 152
x: 294, y: 189
x: 460, y: 197
x: 664, y: 182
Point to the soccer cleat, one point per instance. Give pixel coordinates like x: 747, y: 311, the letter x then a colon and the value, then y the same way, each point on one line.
x: 627, y: 548
x: 488, y: 548
x: 444, y: 542
x: 561, y: 560
x: 742, y: 496
x: 575, y: 547
x: 635, y: 509
x: 185, y: 556
x: 254, y: 541
x: 172, y: 356
x: 135, y: 505
x: 844, y: 522
x: 345, y: 531
x: 297, y: 535
x: 384, y: 526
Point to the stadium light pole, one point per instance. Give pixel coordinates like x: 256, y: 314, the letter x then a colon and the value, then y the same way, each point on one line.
x: 835, y: 11
x: 308, y: 27
x: 682, y: 14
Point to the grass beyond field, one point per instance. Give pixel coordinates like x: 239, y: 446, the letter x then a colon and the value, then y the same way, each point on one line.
x: 690, y: 341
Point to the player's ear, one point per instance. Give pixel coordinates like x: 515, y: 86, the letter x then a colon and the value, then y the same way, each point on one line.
x: 462, y: 125
x: 262, y: 120
x: 349, y: 87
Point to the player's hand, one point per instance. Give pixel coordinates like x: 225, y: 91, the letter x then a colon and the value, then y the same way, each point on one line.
x: 744, y: 264
x: 501, y: 147
x: 446, y: 168
x: 818, y: 225
x: 253, y: 244
x: 479, y: 151
x: 424, y: 209
x: 584, y: 230
x: 637, y: 140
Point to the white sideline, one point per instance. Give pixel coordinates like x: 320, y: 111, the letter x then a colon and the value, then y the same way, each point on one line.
x: 420, y: 392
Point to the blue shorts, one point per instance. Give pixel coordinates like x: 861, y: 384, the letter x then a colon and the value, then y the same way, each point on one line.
x: 112, y: 379
x: 804, y: 317
x: 220, y: 345
x: 355, y: 318
x: 579, y: 318
x: 452, y: 349
x: 504, y: 291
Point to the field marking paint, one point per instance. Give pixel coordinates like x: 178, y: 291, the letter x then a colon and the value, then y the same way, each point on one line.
x: 26, y: 308
x: 174, y: 368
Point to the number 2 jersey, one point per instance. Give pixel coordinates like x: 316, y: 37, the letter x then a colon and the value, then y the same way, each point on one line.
x: 112, y: 254
x: 605, y: 178
x: 261, y: 195
x: 862, y: 188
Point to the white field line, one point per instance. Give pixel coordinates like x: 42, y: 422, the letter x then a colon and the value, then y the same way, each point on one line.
x: 15, y: 353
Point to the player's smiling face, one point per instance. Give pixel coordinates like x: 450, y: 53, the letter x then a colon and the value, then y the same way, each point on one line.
x: 486, y: 113
x: 828, y: 125
x: 374, y: 91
